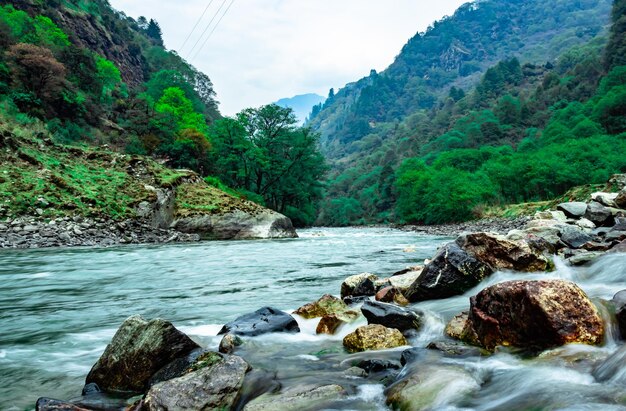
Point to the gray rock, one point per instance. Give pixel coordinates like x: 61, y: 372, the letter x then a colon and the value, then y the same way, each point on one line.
x: 574, y: 209
x: 391, y: 316
x: 620, y: 200
x: 619, y: 300
x: 217, y: 385
x: 606, y: 199
x: 297, y: 399
x: 584, y: 257
x: 359, y: 285
x: 137, y: 351
x: 598, y: 214
x: 30, y: 228
x: 452, y: 271
x: 49, y: 404
x: 262, y: 321
x: 3, y: 227
x: 574, y: 237
x: 455, y: 349
x: 229, y: 343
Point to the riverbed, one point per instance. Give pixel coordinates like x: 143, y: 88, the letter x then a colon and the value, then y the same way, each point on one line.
x: 60, y: 307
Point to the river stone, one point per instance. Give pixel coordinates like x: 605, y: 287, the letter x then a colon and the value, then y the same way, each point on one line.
x: 229, y: 343
x: 49, y: 404
x: 215, y: 385
x: 584, y: 257
x: 612, y: 369
x: 431, y: 388
x: 606, y: 199
x: 237, y: 225
x: 534, y: 314
x: 502, y: 254
x: 298, y: 398
x: 574, y: 237
x: 329, y: 324
x: 620, y: 200
x: 262, y: 321
x: 391, y: 294
x: 391, y: 316
x: 585, y: 224
x: 359, y: 285
x: 619, y: 301
x: 324, y: 306
x: 373, y: 337
x: 598, y: 214
x: 455, y: 349
x: 574, y: 209
x: 452, y: 271
x: 137, y: 351
x: 402, y: 282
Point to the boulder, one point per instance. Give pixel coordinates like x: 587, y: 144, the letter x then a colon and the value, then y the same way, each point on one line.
x: 620, y: 200
x: 585, y: 224
x: 137, y: 351
x: 606, y: 199
x: 574, y: 237
x: 613, y: 368
x: 375, y: 365
x: 583, y: 257
x: 533, y: 314
x: 237, y: 225
x: 373, y: 337
x: 574, y: 209
x: 402, y: 282
x: 214, y: 383
x: 262, y: 321
x: 359, y: 285
x: 329, y: 324
x: 551, y: 215
x: 502, y: 254
x: 452, y: 271
x: 391, y: 316
x: 598, y: 214
x: 619, y: 301
x: 49, y: 404
x: 324, y: 306
x: 459, y: 329
x: 391, y: 294
x: 431, y: 388
x: 229, y: 343
x: 455, y: 349
x: 298, y: 398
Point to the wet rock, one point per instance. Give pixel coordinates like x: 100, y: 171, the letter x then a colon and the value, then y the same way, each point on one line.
x: 237, y: 225
x: 619, y: 301
x: 298, y: 398
x: 452, y: 271
x: 355, y: 372
x: 90, y: 389
x: 459, y: 329
x: 411, y: 355
x: 359, y: 285
x: 391, y: 316
x: 329, y: 324
x: 619, y: 248
x: 229, y: 343
x: 533, y: 314
x: 355, y: 300
x: 612, y: 369
x: 262, y: 321
x: 583, y: 257
x: 430, y: 387
x: 373, y: 337
x: 574, y: 237
x: 391, y: 294
x: 178, y: 367
x: 598, y: 214
x: 213, y: 385
x: 500, y: 253
x: 574, y: 209
x: 324, y: 306
x: 377, y: 365
x: 137, y: 351
x: 49, y: 404
x: 455, y: 349
x: 402, y: 282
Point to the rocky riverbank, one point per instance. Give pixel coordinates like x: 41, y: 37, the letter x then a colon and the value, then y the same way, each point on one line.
x: 493, y: 225
x: 154, y: 366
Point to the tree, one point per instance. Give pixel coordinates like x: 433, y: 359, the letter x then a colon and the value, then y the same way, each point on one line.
x: 175, y: 103
x: 154, y: 32
x: 36, y: 70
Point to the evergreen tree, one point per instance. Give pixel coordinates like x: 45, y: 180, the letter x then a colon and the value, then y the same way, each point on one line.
x: 154, y: 32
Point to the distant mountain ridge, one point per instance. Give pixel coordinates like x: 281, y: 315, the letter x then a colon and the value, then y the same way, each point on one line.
x: 301, y: 104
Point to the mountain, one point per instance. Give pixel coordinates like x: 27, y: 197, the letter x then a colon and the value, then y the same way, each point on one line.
x: 495, y: 74
x: 301, y: 104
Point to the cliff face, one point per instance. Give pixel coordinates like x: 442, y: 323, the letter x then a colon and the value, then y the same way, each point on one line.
x: 98, y: 27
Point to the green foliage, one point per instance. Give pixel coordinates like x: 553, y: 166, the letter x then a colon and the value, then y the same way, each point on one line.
x: 108, y: 75
x: 175, y: 103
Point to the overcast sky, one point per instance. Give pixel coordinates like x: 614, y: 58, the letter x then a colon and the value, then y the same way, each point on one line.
x: 264, y: 50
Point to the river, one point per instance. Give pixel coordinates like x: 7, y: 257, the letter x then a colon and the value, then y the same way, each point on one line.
x: 59, y: 308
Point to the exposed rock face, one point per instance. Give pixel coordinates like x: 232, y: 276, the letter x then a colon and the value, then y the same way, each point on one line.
x: 262, y: 321
x: 451, y: 272
x: 297, y: 398
x: 430, y: 388
x: 500, y: 253
x: 216, y: 385
x: 619, y: 300
x: 391, y: 316
x: 237, y: 225
x: 359, y: 285
x: 574, y: 209
x: 533, y: 314
x: 373, y: 337
x: 324, y: 306
x: 137, y: 351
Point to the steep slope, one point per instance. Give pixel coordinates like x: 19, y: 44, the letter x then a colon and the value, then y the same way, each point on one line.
x: 301, y: 104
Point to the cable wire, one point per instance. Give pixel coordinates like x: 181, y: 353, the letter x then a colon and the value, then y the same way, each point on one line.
x: 212, y: 31
x: 206, y: 29
x: 195, y: 26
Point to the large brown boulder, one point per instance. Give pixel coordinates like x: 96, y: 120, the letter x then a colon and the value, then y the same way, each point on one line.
x: 373, y: 337
x: 324, y: 306
x: 213, y: 383
x: 502, y: 254
x: 533, y: 314
x: 137, y: 351
x: 452, y: 271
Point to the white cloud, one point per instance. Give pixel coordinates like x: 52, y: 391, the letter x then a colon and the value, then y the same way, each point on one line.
x: 264, y: 50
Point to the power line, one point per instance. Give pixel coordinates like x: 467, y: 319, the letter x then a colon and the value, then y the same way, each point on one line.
x: 214, y: 28
x: 206, y: 29
x: 196, y: 26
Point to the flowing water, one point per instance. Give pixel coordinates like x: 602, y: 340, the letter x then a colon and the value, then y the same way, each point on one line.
x: 59, y: 308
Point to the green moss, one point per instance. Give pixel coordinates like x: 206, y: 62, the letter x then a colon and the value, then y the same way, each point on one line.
x: 206, y: 360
